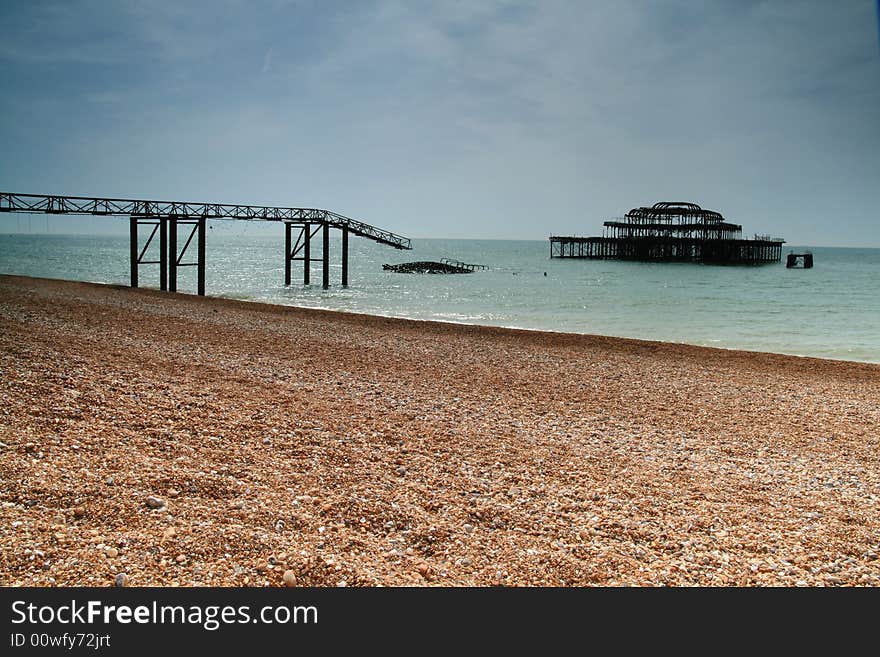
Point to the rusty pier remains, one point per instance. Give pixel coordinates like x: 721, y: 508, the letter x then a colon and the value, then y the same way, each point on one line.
x: 167, y: 218
x: 668, y: 232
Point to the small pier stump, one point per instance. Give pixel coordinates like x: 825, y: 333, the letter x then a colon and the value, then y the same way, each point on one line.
x: 803, y: 260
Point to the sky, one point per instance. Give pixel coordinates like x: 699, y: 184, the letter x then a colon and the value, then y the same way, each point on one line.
x: 499, y: 120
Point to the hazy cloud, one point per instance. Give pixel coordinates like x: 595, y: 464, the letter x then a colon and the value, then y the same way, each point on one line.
x: 490, y: 119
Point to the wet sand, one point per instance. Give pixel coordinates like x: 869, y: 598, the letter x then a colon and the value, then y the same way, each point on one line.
x: 355, y: 450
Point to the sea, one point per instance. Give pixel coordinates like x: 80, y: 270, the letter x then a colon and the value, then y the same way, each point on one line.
x: 829, y: 311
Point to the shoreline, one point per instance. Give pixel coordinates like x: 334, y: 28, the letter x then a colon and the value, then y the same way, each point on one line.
x: 350, y: 449
x: 513, y: 328
x: 726, y: 318
x: 548, y: 332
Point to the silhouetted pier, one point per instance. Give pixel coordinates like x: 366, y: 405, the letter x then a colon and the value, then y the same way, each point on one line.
x: 168, y: 217
x: 671, y: 231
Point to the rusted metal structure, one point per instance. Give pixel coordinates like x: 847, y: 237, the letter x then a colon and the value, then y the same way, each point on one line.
x: 671, y: 231
x: 427, y: 267
x: 166, y: 217
x: 464, y: 265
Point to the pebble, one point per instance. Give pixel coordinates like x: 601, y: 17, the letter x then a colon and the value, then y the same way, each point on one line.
x: 551, y: 501
x: 289, y: 578
x: 121, y: 580
x: 180, y: 558
x: 154, y: 502
x: 111, y: 553
x: 173, y: 492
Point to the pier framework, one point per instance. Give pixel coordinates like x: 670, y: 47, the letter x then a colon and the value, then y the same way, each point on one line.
x: 167, y: 217
x: 671, y: 231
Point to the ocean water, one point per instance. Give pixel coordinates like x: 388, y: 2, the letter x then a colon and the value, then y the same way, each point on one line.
x: 830, y: 311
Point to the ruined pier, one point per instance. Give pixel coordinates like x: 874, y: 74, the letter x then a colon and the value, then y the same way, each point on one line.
x: 178, y: 223
x: 668, y: 232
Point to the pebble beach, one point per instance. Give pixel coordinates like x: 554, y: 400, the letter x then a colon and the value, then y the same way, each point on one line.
x: 157, y: 439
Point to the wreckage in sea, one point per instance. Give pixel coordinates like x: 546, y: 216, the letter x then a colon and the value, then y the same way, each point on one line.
x: 803, y: 260
x: 671, y: 231
x: 429, y: 267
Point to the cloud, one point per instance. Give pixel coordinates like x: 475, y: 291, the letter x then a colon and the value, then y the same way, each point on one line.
x: 463, y: 118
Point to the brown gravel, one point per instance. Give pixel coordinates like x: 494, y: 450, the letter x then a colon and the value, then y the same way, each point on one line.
x: 353, y: 450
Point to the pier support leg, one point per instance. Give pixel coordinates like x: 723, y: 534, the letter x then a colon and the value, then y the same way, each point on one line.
x: 163, y: 253
x: 325, y: 256
x: 172, y: 252
x: 133, y: 237
x: 287, y: 246
x: 345, y: 257
x: 307, y: 253
x: 201, y: 257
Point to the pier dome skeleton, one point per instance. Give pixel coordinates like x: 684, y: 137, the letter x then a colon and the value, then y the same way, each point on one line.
x: 674, y: 218
x: 671, y: 231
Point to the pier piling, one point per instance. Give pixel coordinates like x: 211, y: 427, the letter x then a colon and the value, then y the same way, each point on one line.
x: 307, y: 253
x: 201, y: 259
x: 345, y: 257
x: 133, y: 250
x: 172, y: 251
x: 288, y: 244
x: 163, y: 254
x: 325, y: 257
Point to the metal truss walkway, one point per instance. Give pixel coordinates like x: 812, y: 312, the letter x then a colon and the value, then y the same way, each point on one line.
x: 166, y: 216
